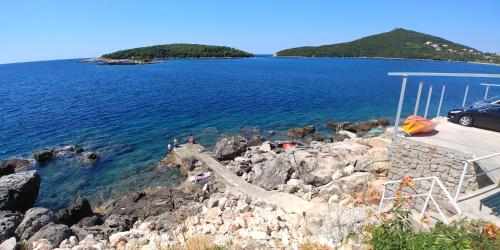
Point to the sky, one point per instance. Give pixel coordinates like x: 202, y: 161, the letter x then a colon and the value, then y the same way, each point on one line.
x: 47, y: 30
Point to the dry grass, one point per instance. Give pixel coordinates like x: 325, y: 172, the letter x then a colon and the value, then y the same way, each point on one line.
x: 198, y: 243
x: 313, y: 246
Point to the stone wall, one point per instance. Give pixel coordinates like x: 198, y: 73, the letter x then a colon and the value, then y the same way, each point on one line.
x: 419, y: 159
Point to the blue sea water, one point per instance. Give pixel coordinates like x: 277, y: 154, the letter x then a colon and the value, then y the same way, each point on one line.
x: 129, y: 113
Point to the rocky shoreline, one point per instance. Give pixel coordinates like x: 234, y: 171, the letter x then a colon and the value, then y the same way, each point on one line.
x: 341, y: 175
x: 108, y: 61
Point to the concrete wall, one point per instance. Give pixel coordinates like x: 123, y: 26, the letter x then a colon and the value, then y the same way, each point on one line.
x: 419, y: 159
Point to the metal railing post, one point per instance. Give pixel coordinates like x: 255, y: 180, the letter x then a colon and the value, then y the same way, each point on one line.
x: 462, y: 176
x: 439, y: 210
x: 428, y: 101
x: 398, y: 114
x: 441, y: 100
x: 381, y: 200
x: 418, y: 97
x: 486, y: 92
x: 428, y: 197
x: 465, y: 96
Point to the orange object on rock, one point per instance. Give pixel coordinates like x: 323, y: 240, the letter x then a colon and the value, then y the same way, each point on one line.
x: 417, y: 124
x: 288, y: 145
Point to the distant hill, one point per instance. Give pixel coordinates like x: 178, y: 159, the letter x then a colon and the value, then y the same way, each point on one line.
x: 398, y: 43
x: 175, y: 51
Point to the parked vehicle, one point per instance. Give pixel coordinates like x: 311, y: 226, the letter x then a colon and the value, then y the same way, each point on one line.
x: 485, y: 114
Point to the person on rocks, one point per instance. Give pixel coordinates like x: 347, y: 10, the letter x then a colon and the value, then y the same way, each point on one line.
x: 169, y: 147
x: 191, y: 139
x: 176, y: 142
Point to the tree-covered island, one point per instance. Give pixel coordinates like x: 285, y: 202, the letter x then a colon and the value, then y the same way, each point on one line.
x: 398, y: 43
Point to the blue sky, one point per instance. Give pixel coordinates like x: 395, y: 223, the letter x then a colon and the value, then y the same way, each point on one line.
x: 49, y: 29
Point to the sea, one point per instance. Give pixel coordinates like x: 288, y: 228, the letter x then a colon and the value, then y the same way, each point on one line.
x: 128, y: 114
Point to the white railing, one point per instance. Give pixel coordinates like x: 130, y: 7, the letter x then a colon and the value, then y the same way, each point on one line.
x: 466, y: 166
x: 429, y: 196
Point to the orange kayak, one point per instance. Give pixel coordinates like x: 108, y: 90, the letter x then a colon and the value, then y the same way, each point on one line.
x: 417, y: 124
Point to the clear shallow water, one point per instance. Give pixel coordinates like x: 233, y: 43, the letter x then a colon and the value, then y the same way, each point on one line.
x: 128, y: 113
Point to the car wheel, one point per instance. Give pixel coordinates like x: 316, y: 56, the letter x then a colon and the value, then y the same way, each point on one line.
x: 465, y: 120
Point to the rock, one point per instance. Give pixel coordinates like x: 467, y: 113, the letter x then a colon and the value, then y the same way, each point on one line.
x: 274, y: 172
x: 34, y: 219
x: 356, y: 181
x: 365, y: 126
x: 229, y: 147
x: 295, y: 182
x: 9, y: 166
x: 333, y: 199
x: 340, y: 137
x: 18, y: 191
x: 120, y: 222
x: 54, y: 233
x: 240, y: 222
x: 42, y: 244
x: 8, y: 224
x: 257, y: 158
x: 351, y: 135
x: 309, y: 129
x: 67, y: 150
x: 285, y: 188
x: 214, y: 200
x: 9, y: 244
x: 91, y: 156
x: 91, y: 221
x: 222, y: 203
x: 348, y: 170
x: 69, y: 243
x: 6, y: 169
x: 383, y: 122
x: 44, y: 156
x: 265, y: 147
x: 256, y: 140
x: 257, y: 235
x: 317, y: 137
x: 331, y: 125
x: 78, y: 209
x: 296, y: 132
x: 157, y: 202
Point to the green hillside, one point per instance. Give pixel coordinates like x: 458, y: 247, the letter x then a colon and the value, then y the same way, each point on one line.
x: 398, y: 43
x: 174, y: 51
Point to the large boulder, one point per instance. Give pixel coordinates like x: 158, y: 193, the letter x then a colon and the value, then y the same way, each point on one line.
x: 229, y: 147
x: 78, y: 209
x: 157, y: 201
x: 274, y: 173
x: 102, y: 230
x: 18, y: 191
x: 9, y: 166
x: 90, y: 157
x: 297, y: 132
x: 6, y: 169
x: 365, y: 126
x: 8, y: 223
x: 54, y: 233
x: 309, y: 129
x: 34, y: 219
x: 44, y: 156
x: 331, y: 125
x: 9, y: 244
